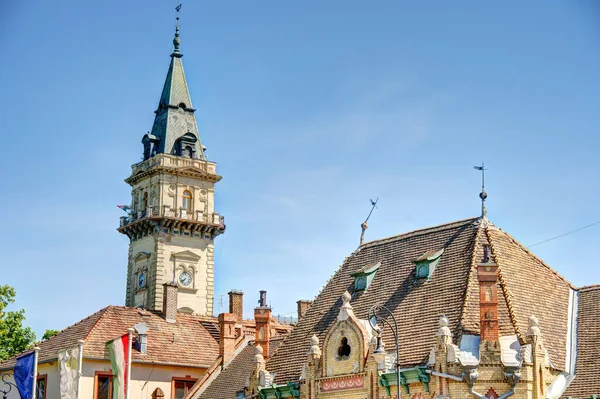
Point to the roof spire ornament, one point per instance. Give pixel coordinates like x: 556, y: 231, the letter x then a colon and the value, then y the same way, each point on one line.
x: 483, y: 195
x: 176, y: 39
x: 364, y: 225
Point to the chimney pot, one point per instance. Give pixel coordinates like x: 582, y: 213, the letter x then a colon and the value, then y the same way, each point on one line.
x: 262, y: 301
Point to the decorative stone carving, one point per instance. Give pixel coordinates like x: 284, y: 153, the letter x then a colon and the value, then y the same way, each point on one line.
x: 534, y: 327
x: 346, y: 310
x: 314, y: 351
x: 258, y: 354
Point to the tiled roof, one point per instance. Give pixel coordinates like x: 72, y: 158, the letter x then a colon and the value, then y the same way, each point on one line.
x: 235, y: 377
x: 186, y: 342
x: 587, y: 373
x: 527, y: 286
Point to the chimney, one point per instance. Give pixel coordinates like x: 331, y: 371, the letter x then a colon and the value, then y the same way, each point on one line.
x: 170, y: 302
x: 236, y: 304
x: 303, y: 306
x: 226, y: 336
x: 262, y: 318
x: 487, y: 276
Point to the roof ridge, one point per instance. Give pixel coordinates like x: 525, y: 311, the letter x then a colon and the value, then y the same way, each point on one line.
x: 504, y: 287
x: 97, y: 321
x: 535, y: 257
x: 424, y: 230
x: 469, y: 277
x: 592, y: 287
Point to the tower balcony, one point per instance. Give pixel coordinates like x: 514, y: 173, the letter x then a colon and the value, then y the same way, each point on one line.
x: 167, y: 217
x: 172, y: 164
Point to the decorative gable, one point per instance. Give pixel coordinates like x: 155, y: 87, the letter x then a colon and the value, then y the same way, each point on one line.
x: 426, y: 263
x: 364, y: 277
x: 346, y: 343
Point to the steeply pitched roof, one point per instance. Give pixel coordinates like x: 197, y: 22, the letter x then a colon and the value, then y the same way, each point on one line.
x: 452, y: 290
x: 235, y: 376
x: 185, y: 343
x: 587, y: 372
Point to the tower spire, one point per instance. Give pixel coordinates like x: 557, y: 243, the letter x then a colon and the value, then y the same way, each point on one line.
x: 483, y: 195
x: 176, y: 39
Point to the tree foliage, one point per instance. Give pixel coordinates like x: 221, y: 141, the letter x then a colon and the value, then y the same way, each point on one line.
x: 49, y: 333
x: 14, y: 337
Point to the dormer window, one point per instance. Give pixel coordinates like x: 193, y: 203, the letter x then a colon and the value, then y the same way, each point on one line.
x: 364, y: 277
x: 185, y: 146
x: 426, y: 263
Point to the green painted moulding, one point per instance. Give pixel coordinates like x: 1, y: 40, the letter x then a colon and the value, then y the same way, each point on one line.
x: 289, y: 390
x: 407, y: 376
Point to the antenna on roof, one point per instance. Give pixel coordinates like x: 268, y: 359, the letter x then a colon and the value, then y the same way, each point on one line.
x: 364, y: 225
x: 483, y: 194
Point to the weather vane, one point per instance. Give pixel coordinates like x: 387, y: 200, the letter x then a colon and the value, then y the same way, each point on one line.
x: 483, y: 194
x: 176, y: 40
x: 364, y: 225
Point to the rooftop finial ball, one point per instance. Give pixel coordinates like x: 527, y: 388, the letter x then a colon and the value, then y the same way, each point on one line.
x: 364, y: 225
x: 483, y: 195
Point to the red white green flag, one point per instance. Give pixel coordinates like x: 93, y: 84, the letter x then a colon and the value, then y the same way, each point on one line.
x: 118, y: 350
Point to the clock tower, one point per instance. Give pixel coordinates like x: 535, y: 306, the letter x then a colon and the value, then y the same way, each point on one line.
x: 172, y: 222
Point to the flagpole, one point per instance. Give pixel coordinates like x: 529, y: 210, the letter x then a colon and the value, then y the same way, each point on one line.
x: 129, y: 343
x: 79, y: 367
x: 35, y: 362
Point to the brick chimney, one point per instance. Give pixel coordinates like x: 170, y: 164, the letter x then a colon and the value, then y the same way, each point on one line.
x: 236, y: 304
x: 487, y: 275
x: 170, y: 302
x: 262, y: 318
x: 227, y: 336
x: 303, y: 306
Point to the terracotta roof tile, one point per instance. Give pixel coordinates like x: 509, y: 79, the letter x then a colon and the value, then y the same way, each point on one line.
x: 587, y: 381
x: 234, y: 378
x: 186, y: 342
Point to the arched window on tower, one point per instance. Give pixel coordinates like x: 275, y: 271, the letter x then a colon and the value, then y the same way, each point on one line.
x: 186, y: 202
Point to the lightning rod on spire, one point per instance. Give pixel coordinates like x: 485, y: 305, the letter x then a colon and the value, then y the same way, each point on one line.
x: 483, y: 195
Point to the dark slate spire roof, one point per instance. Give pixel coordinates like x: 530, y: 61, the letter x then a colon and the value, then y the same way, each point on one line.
x: 175, y: 130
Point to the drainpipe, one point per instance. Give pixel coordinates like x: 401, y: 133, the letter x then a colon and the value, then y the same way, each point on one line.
x: 512, y: 375
x: 444, y: 375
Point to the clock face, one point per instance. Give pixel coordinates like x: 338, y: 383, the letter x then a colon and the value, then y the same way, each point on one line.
x: 142, y: 280
x: 185, y: 279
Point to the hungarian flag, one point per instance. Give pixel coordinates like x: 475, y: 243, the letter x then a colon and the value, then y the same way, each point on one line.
x: 118, y: 350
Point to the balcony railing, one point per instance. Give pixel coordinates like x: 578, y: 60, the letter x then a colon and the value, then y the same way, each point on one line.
x: 214, y: 219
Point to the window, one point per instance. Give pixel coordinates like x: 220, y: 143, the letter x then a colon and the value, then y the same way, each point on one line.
x: 344, y: 349
x: 41, y: 386
x: 145, y: 201
x: 186, y: 203
x: 181, y: 386
x: 423, y: 270
x: 102, y: 385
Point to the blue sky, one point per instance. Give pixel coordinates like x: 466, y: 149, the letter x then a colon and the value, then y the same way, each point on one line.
x: 310, y: 108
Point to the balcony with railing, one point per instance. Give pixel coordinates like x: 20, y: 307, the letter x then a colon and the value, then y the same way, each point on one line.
x: 175, y: 217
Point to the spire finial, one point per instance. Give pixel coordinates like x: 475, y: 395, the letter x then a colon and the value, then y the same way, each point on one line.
x: 177, y: 40
x: 483, y: 194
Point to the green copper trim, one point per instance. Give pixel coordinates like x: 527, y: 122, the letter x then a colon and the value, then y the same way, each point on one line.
x: 288, y: 390
x: 407, y: 376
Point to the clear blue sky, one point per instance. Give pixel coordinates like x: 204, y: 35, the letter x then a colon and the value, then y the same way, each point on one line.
x: 310, y: 108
